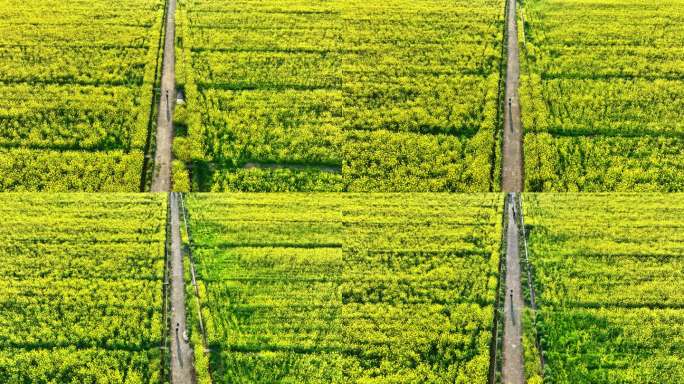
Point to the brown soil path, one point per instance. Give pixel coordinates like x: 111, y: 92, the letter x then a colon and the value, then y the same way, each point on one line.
x: 324, y: 168
x: 182, y: 370
x: 512, y: 177
x: 161, y: 179
x: 513, y: 368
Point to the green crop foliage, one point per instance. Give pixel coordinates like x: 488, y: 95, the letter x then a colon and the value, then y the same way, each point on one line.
x: 602, y: 90
x: 333, y: 288
x: 263, y: 88
x: 608, y: 271
x: 76, y: 84
x: 81, y: 291
x: 420, y: 82
x: 358, y: 96
x: 418, y: 287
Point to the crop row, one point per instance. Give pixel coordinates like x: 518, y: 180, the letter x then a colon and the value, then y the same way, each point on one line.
x: 342, y: 95
x: 601, y: 90
x: 76, y: 86
x: 81, y: 294
x: 334, y: 96
x: 607, y: 273
x: 346, y: 288
x: 339, y: 287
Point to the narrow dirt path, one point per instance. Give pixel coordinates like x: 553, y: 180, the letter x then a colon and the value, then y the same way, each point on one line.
x: 323, y: 168
x: 512, y: 177
x: 513, y: 371
x: 161, y: 179
x: 182, y: 370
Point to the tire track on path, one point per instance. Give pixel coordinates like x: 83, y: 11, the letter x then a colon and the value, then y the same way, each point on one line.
x: 161, y: 179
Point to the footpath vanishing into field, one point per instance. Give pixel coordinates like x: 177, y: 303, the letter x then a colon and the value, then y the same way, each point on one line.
x: 513, y: 304
x: 512, y: 174
x: 161, y: 181
x: 512, y: 181
x: 181, y: 352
